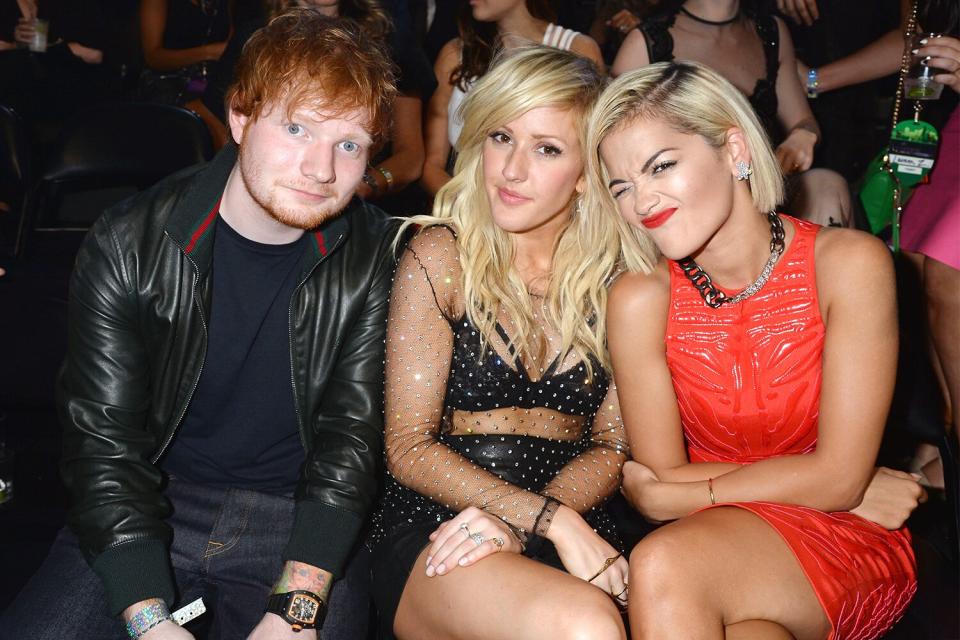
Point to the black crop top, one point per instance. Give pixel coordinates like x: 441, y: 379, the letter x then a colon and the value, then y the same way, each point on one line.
x: 437, y: 384
x: 494, y: 382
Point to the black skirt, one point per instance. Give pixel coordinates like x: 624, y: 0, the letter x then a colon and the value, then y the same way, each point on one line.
x: 406, y: 518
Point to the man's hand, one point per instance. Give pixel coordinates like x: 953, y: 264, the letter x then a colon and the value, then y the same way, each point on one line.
x: 167, y: 630
x: 296, y: 576
x: 273, y: 627
x: 800, y: 11
x: 300, y: 576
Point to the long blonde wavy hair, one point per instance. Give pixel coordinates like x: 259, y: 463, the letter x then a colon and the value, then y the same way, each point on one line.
x: 691, y: 98
x: 585, y: 255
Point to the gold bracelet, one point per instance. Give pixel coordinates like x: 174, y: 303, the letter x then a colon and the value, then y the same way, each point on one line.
x: 606, y: 565
x: 713, y: 498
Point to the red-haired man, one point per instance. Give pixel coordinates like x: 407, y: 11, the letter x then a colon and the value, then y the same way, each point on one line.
x: 222, y: 392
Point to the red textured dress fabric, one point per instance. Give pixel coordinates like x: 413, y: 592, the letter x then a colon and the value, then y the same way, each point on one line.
x: 747, y: 378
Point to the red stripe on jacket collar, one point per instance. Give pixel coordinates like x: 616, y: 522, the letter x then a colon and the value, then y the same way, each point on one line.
x: 321, y: 243
x: 210, y: 217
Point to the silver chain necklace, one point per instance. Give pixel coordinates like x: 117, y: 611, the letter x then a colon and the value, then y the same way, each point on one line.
x: 716, y: 298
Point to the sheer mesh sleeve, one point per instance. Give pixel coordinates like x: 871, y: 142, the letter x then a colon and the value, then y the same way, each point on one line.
x: 419, y: 348
x: 595, y: 474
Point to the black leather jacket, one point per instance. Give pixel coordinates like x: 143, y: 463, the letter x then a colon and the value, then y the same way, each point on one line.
x: 139, y: 299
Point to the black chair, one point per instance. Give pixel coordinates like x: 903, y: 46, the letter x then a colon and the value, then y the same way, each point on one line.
x: 114, y: 146
x: 14, y: 168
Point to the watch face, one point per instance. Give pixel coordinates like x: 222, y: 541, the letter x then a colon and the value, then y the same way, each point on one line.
x: 303, y: 608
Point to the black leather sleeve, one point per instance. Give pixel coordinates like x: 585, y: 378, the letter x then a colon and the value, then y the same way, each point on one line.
x: 103, y: 396
x: 341, y: 475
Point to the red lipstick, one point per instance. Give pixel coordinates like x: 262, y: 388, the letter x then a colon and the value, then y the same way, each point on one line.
x: 656, y: 219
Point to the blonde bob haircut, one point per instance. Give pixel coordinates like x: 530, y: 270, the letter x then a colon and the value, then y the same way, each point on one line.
x: 585, y: 254
x: 693, y: 99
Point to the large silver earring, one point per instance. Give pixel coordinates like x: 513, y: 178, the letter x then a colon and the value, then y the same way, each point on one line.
x: 744, y: 170
x: 578, y: 206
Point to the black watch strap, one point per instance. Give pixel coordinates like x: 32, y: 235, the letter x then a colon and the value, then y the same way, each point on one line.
x: 302, y: 609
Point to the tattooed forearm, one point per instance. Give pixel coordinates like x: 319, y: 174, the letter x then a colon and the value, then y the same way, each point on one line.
x: 298, y: 575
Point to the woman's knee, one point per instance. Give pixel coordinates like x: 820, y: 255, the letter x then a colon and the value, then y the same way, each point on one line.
x: 823, y: 196
x: 663, y: 563
x: 592, y: 617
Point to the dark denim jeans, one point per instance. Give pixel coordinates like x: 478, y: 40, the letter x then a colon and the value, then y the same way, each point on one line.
x: 226, y: 547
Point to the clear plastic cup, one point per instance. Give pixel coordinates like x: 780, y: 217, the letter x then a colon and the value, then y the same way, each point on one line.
x: 40, y: 30
x: 919, y: 83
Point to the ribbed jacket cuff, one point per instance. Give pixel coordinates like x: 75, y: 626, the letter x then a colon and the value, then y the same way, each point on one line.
x: 135, y: 571
x: 322, y: 536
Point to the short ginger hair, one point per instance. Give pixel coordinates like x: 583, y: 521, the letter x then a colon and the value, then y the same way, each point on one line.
x: 305, y: 59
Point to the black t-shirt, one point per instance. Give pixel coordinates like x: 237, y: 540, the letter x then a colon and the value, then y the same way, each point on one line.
x: 241, y: 428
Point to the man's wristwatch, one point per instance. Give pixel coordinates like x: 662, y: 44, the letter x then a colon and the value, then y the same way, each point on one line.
x: 302, y: 609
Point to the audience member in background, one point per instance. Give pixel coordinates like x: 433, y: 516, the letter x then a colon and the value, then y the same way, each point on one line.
x: 763, y: 394
x: 501, y: 421
x: 931, y: 237
x: 851, y: 124
x: 78, y: 67
x: 435, y: 23
x: 614, y: 19
x: 931, y: 220
x: 399, y: 164
x: 180, y: 38
x: 221, y: 396
x: 486, y: 27
x: 752, y: 49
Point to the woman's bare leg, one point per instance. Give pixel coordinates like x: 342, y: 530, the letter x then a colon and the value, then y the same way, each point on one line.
x: 504, y: 596
x: 822, y: 196
x: 714, y: 569
x: 941, y: 283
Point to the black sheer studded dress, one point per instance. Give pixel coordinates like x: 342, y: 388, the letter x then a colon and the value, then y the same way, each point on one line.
x: 469, y: 423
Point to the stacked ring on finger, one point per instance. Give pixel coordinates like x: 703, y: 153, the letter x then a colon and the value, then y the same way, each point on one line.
x: 478, y: 538
x: 466, y: 530
x: 498, y: 541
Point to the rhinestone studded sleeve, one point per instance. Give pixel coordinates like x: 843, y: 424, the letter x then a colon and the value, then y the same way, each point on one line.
x: 592, y: 476
x: 419, y: 349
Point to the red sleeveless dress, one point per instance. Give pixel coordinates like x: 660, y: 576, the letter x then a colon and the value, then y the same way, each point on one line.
x: 747, y: 378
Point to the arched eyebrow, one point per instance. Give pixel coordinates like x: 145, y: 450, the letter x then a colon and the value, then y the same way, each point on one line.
x: 652, y: 159
x: 646, y: 165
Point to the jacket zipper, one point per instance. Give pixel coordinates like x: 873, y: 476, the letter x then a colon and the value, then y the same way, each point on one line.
x: 293, y: 377
x: 196, y: 380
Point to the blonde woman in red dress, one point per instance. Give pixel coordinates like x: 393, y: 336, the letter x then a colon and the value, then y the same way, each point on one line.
x: 755, y: 364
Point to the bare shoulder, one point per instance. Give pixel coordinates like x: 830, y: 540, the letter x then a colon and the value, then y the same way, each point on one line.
x: 587, y: 47
x: 447, y: 61
x: 640, y: 293
x: 851, y: 264
x: 839, y: 250
x: 632, y: 53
